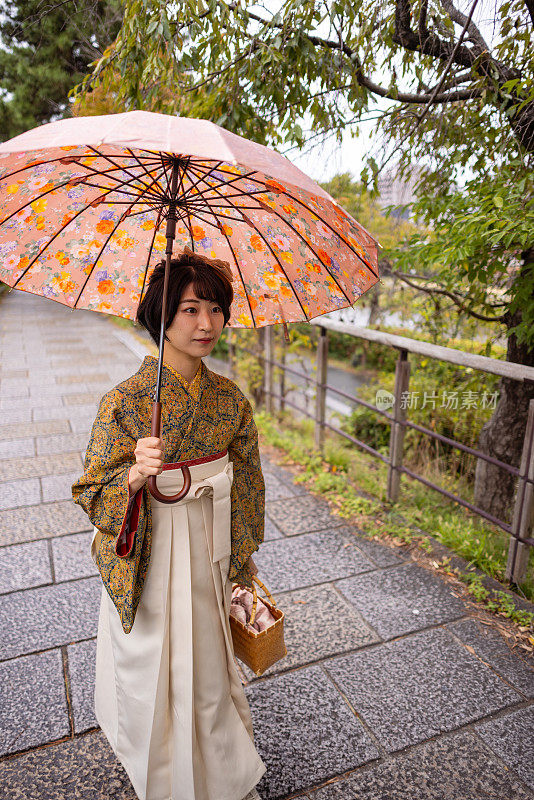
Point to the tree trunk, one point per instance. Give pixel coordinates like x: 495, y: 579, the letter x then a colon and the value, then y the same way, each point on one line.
x: 502, y: 436
x: 374, y: 307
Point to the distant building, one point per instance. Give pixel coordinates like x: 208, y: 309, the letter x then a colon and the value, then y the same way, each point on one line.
x: 396, y: 191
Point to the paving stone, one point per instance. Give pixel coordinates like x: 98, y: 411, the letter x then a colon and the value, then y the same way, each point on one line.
x: 55, y: 392
x: 58, y: 487
x: 457, y: 767
x: 283, y: 474
x: 89, y: 377
x: 491, y: 647
x: 14, y: 387
x: 38, y: 466
x: 401, y: 599
x: 95, y: 360
x: 13, y: 373
x: 84, y: 768
x: 83, y: 398
x: 82, y: 672
x: 25, y: 492
x: 24, y: 565
x: 84, y: 424
x: 414, y: 688
x: 14, y: 448
x: 8, y: 416
x: 23, y: 403
x: 271, y: 531
x: 71, y: 556
x: 49, y: 616
x: 334, y: 740
x: 43, y: 521
x: 275, y: 489
x: 44, y: 428
x: 33, y: 703
x: 382, y: 553
x: 511, y: 737
x: 71, y: 413
x: 294, y: 562
x: 64, y: 443
x: 318, y: 623
x: 301, y: 514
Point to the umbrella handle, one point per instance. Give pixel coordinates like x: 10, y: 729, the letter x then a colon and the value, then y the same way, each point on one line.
x: 152, y: 488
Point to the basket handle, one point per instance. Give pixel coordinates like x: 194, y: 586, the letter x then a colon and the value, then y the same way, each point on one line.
x: 255, y: 595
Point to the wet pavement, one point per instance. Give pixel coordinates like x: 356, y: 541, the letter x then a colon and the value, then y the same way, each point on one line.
x: 391, y: 689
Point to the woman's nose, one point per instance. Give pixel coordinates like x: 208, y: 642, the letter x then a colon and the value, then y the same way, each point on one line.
x: 205, y: 321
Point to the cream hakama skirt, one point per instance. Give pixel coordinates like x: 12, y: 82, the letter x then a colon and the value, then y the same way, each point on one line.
x: 168, y: 696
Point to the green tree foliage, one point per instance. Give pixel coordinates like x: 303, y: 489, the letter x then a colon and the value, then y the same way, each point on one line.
x: 441, y: 96
x: 45, y: 49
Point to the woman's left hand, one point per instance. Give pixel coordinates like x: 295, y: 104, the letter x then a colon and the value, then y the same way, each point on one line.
x: 252, y: 566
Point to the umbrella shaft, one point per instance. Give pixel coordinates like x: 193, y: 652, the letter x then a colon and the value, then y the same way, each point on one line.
x: 170, y: 233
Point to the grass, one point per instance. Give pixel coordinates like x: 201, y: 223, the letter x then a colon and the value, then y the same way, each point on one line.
x: 354, y: 484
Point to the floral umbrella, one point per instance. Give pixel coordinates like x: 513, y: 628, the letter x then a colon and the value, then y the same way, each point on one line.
x: 89, y: 205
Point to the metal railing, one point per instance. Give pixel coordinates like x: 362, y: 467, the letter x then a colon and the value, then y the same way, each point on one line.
x: 521, y: 527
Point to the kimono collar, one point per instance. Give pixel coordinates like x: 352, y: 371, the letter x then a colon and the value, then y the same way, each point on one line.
x: 148, y: 373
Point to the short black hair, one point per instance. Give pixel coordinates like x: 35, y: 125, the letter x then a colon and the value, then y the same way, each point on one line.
x: 211, y: 279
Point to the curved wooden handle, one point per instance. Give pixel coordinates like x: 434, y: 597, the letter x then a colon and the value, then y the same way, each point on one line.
x: 152, y: 487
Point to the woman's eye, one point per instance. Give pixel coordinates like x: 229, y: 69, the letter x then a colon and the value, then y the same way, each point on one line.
x: 192, y: 308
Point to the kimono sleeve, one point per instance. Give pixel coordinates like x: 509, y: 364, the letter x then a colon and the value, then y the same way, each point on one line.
x: 103, y: 490
x: 247, y: 497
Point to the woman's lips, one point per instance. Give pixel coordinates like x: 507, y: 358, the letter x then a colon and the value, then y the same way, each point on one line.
x: 203, y: 340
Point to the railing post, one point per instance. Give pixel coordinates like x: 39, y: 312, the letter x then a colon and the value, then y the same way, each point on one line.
x: 320, y: 392
x: 396, y: 434
x: 268, y: 350
x: 231, y: 354
x: 523, y: 519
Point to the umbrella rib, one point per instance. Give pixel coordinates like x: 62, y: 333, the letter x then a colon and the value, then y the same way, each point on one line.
x: 112, y: 177
x: 120, y: 183
x: 281, y: 267
x: 183, y: 172
x: 158, y: 222
x: 208, y: 210
x: 219, y: 227
x: 226, y: 183
x: 120, y: 220
x: 168, y: 190
x: 145, y: 169
x: 124, y: 169
x: 189, y: 227
x: 314, y: 253
x: 119, y: 190
x: 49, y: 242
x: 193, y: 185
x: 325, y: 222
x: 33, y: 200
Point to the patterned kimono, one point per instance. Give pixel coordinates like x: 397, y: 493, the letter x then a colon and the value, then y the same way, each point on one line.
x: 221, y: 418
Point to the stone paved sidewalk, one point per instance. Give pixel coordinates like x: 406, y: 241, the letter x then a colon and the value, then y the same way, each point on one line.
x: 390, y: 690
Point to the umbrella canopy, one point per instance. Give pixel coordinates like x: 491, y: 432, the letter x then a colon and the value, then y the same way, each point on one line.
x: 90, y: 205
x: 84, y: 205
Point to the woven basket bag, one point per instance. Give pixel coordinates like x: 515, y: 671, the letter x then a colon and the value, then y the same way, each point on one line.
x: 259, y: 649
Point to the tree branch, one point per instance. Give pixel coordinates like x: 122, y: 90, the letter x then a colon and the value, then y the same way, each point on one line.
x: 446, y: 293
x: 461, y: 19
x: 530, y: 6
x: 449, y: 63
x: 363, y: 80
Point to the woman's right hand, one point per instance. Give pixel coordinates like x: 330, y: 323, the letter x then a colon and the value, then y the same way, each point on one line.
x: 149, y: 453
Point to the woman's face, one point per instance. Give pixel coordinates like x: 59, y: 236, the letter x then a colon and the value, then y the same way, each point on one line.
x: 196, y: 326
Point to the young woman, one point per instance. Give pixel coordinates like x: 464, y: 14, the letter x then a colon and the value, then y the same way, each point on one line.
x: 168, y: 696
